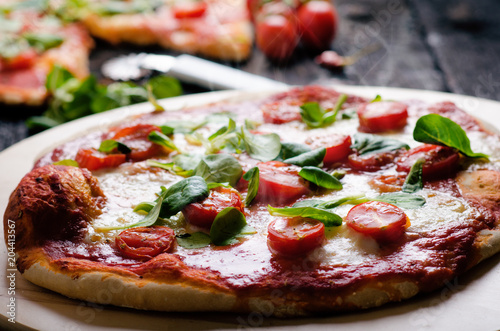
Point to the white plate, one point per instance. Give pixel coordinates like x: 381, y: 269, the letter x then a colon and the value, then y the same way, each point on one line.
x: 469, y: 302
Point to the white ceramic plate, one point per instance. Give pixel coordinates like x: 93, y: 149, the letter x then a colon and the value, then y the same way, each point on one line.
x: 469, y: 302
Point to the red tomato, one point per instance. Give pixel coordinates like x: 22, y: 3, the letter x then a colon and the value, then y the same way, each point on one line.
x: 280, y: 183
x: 281, y: 112
x: 203, y: 213
x: 317, y: 24
x: 372, y: 162
x: 136, y: 138
x: 189, y: 9
x: 338, y: 147
x: 253, y: 7
x: 387, y: 183
x: 440, y: 161
x: 294, y: 236
x: 276, y: 36
x: 23, y: 60
x: 144, y: 243
x: 92, y: 159
x: 382, y: 116
x: 382, y: 221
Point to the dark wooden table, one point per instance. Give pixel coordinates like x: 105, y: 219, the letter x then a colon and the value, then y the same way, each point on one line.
x: 442, y: 45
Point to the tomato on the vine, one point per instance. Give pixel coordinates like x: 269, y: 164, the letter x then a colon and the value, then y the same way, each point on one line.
x: 297, y: 236
x: 440, y: 161
x: 317, y: 22
x: 144, y: 243
x: 382, y: 221
x: 203, y: 213
x: 382, y: 116
x: 276, y: 36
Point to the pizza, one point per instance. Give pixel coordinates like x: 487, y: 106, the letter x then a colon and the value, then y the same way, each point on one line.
x: 35, y: 38
x: 302, y: 202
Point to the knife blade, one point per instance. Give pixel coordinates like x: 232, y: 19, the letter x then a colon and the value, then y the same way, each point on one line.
x: 189, y: 69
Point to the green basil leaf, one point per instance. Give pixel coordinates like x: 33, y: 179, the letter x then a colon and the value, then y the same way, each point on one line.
x: 179, y: 195
x: 367, y: 144
x: 144, y: 207
x: 438, y: 130
x: 107, y: 146
x: 320, y: 178
x: 228, y: 224
x: 325, y: 216
x: 354, y: 200
x: 377, y: 98
x: 161, y: 139
x: 263, y: 147
x: 401, y: 199
x: 252, y: 176
x: 312, y: 114
x: 165, y: 86
x: 43, y: 41
x: 414, y: 181
x: 219, y: 168
x: 187, y: 162
x: 308, y: 203
x: 181, y: 127
x: 170, y: 166
x: 194, y: 240
x: 312, y: 158
x: 289, y: 150
x: 67, y: 162
x: 215, y: 185
x: 57, y: 77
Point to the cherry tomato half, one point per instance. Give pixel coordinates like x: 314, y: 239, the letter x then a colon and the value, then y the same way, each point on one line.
x: 189, y: 9
x: 203, y: 213
x: 440, y: 161
x: 136, y: 138
x: 382, y: 116
x: 280, y: 112
x: 372, y: 162
x: 276, y: 36
x: 338, y: 147
x: 317, y: 24
x: 280, y: 183
x: 92, y: 159
x: 382, y: 221
x: 144, y: 243
x: 294, y: 236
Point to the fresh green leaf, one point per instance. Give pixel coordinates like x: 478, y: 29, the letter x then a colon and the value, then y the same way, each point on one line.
x: 219, y: 168
x: 179, y: 195
x: 414, y: 181
x: 181, y: 127
x: 187, y: 162
x: 43, y: 41
x: 162, y: 140
x: 227, y: 226
x: 312, y: 158
x: 320, y: 178
x: 263, y: 147
x: 194, y: 240
x: 376, y: 99
x: 367, y: 144
x: 252, y: 176
x: 144, y: 207
x: 41, y: 123
x: 402, y: 199
x: 213, y: 185
x: 315, y: 116
x: 107, y: 146
x: 325, y: 216
x: 56, y: 78
x: 438, y: 130
x: 222, y: 138
x: 67, y: 162
x: 289, y: 150
x: 165, y: 87
x: 152, y: 99
x: 309, y: 203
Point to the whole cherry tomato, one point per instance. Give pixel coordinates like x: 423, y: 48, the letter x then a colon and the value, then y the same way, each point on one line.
x: 318, y: 22
x: 144, y: 243
x: 276, y: 36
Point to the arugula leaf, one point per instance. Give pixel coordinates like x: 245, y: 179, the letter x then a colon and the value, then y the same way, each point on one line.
x: 312, y: 158
x: 315, y: 116
x: 227, y: 226
x: 194, y: 240
x: 320, y: 178
x: 252, y: 176
x: 414, y: 180
x: 438, y: 130
x: 179, y: 195
x: 43, y: 41
x: 263, y: 147
x: 109, y: 145
x: 325, y: 216
x: 219, y: 168
x: 162, y: 140
x: 67, y: 162
x: 289, y: 150
x: 367, y: 144
x: 402, y: 199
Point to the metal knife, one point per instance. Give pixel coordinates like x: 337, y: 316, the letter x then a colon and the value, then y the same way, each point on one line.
x: 188, y: 69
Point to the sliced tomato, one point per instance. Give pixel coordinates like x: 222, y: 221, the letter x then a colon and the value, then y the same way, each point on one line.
x: 440, y: 161
x: 387, y: 183
x: 338, y: 147
x: 92, y: 159
x: 21, y: 61
x: 281, y: 112
x: 136, y: 138
x: 372, y: 162
x: 317, y: 24
x: 294, y: 236
x: 203, y: 213
x: 382, y: 116
x: 144, y: 243
x: 189, y: 9
x: 276, y: 36
x: 382, y: 221
x: 280, y: 183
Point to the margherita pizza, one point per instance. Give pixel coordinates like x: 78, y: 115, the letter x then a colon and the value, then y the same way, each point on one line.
x: 304, y: 202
